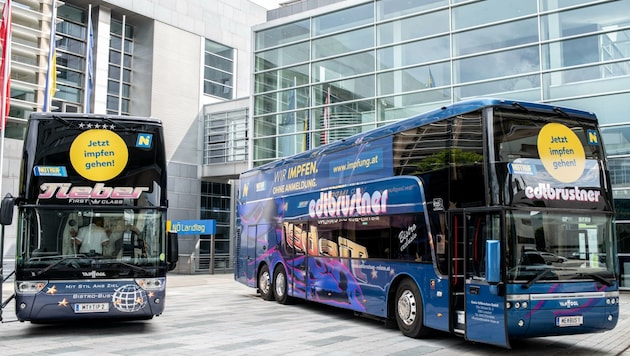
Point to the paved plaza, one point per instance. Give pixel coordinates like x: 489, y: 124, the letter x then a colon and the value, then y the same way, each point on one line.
x: 214, y: 315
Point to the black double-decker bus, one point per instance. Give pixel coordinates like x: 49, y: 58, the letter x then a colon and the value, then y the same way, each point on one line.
x: 91, y: 219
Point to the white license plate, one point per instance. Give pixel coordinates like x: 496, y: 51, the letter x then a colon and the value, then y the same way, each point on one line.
x: 563, y: 321
x: 91, y: 307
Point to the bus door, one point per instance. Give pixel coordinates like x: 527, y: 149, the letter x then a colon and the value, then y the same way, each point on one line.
x: 295, y: 246
x: 247, y: 253
x: 484, y: 292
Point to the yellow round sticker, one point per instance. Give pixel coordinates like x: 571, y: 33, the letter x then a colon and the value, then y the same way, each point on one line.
x: 561, y: 152
x: 98, y: 155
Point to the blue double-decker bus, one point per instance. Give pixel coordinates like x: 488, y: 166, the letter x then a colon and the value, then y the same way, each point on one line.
x: 490, y: 219
x: 91, y: 219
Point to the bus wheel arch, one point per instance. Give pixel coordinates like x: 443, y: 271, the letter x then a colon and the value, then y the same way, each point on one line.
x: 264, y: 282
x: 280, y: 285
x: 407, y: 308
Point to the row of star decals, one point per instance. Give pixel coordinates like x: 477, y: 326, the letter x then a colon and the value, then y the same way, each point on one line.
x: 90, y: 125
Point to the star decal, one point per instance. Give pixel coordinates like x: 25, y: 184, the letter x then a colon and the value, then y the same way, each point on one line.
x: 151, y: 294
x: 374, y: 274
x: 52, y: 290
x: 63, y: 303
x: 89, y: 125
x: 117, y: 301
x: 139, y: 300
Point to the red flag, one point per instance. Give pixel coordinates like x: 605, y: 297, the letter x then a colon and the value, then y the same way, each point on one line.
x: 5, y: 66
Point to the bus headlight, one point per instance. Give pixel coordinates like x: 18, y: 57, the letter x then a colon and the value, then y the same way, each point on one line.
x: 29, y: 287
x: 151, y: 283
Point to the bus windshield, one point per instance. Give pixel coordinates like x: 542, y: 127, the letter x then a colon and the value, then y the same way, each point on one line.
x: 562, y: 172
x: 67, y: 243
x: 572, y: 245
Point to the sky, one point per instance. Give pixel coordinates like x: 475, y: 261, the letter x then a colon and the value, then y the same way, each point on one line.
x: 268, y: 4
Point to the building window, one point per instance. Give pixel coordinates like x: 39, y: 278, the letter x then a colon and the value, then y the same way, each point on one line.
x: 218, y: 71
x: 225, y: 137
x: 215, y: 205
x: 119, y: 73
x: 70, y: 44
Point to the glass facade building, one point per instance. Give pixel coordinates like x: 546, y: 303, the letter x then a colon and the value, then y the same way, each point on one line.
x: 323, y: 74
x: 327, y: 73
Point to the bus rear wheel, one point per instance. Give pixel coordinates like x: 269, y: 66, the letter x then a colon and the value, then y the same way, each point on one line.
x: 264, y: 283
x: 408, y: 310
x: 280, y: 286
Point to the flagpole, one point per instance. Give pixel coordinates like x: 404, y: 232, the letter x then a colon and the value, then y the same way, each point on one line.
x: 88, y: 64
x: 6, y: 77
x: 4, y: 106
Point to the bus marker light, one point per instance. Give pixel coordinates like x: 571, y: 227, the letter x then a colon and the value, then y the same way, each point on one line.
x: 521, y: 323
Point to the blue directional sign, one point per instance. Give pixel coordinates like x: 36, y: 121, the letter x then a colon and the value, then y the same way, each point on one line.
x: 193, y: 227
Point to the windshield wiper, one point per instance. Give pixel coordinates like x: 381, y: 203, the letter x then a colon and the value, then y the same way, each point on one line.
x: 119, y: 124
x: 598, y: 278
x: 536, y: 278
x: 64, y: 121
x: 520, y: 106
x: 56, y: 263
x: 134, y: 267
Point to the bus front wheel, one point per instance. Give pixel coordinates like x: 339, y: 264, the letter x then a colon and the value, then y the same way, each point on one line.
x: 264, y: 283
x: 409, y: 309
x: 280, y: 285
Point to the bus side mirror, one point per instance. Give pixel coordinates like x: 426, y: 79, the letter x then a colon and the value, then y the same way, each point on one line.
x: 6, y: 210
x: 493, y: 265
x: 172, y: 251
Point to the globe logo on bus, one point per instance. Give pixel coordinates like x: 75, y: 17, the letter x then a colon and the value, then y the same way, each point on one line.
x: 129, y: 299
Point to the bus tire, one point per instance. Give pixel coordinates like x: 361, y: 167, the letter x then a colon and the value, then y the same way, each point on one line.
x: 264, y: 283
x: 408, y: 309
x: 280, y: 285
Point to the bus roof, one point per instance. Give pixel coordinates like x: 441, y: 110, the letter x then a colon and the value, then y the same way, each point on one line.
x: 79, y: 116
x: 459, y: 108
